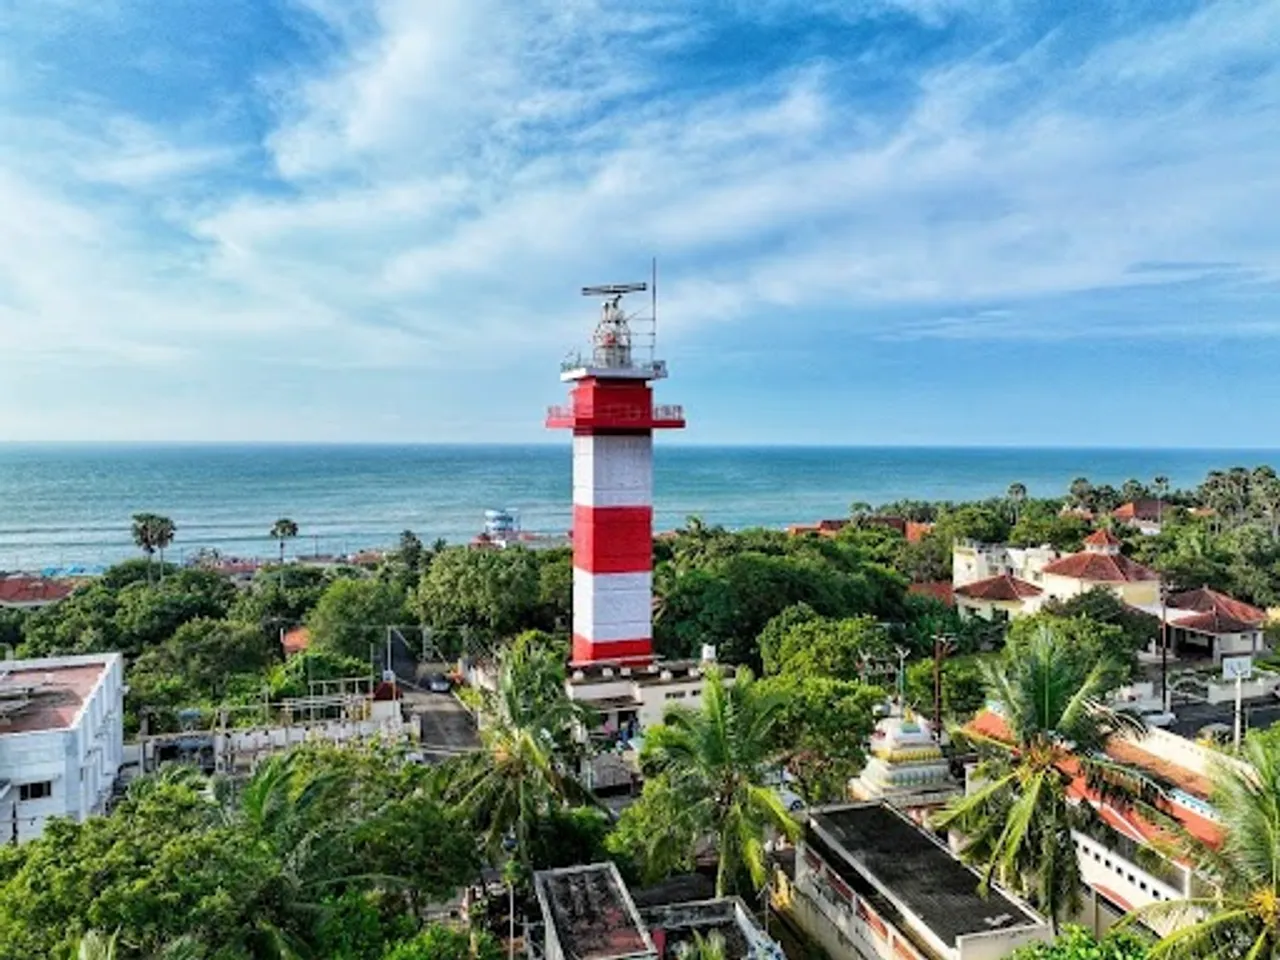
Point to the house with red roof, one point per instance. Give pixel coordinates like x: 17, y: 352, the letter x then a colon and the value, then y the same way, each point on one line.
x: 1146, y: 515
x: 23, y: 592
x: 992, y: 580
x: 1119, y: 863
x: 1204, y: 623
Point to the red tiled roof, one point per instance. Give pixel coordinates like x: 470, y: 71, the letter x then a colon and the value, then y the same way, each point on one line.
x: 296, y: 640
x: 1151, y: 510
x: 917, y: 531
x: 1102, y: 537
x: 992, y: 725
x: 28, y: 590
x: 1002, y: 587
x: 939, y: 590
x: 1211, y: 601
x: 1101, y: 568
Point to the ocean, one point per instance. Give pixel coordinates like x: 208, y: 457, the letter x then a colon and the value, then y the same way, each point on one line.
x: 63, y: 504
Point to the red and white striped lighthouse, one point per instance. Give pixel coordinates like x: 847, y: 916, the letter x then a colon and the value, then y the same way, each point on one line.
x: 612, y: 416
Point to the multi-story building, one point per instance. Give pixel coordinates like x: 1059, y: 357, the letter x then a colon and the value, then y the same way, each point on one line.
x: 61, y: 739
x: 871, y: 884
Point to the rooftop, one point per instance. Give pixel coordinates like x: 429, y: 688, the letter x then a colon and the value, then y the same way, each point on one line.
x: 1002, y: 587
x: 36, y: 696
x: 592, y: 914
x: 663, y: 671
x: 22, y: 590
x: 1100, y: 568
x: 912, y: 870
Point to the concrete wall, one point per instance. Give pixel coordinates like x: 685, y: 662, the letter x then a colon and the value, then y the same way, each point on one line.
x: 80, y: 762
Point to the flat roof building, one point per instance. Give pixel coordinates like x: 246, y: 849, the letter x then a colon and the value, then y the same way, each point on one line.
x: 588, y: 914
x: 870, y: 883
x: 61, y: 739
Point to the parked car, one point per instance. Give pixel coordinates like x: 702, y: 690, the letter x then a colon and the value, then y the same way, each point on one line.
x: 781, y: 782
x: 439, y: 683
x: 1159, y: 718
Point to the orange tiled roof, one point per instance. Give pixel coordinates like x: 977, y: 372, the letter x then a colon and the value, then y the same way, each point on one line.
x: 939, y: 590
x: 24, y: 590
x: 992, y: 725
x: 1101, y: 568
x: 1150, y: 510
x: 1002, y: 587
x: 1211, y: 601
x: 1102, y: 537
x: 917, y: 531
x: 296, y: 640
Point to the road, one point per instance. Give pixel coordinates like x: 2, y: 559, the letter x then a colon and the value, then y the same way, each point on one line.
x: 1258, y: 713
x: 445, y: 727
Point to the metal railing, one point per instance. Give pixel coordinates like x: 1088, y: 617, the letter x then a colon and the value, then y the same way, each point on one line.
x: 617, y: 412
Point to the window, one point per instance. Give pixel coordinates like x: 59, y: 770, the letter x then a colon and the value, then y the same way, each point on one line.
x: 35, y: 791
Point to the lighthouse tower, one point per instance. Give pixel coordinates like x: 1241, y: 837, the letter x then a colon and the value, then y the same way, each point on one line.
x: 612, y: 416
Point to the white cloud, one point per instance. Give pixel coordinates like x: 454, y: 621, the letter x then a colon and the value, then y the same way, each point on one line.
x: 433, y: 185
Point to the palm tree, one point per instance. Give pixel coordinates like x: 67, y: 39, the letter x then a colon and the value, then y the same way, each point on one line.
x: 1242, y: 917
x: 1081, y: 491
x: 152, y: 533
x: 1018, y: 824
x: 530, y: 754
x: 1017, y: 495
x: 717, y: 760
x: 162, y: 535
x: 282, y: 530
x: 1161, y: 487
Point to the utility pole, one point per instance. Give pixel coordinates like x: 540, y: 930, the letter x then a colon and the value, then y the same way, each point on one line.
x: 1164, y: 647
x: 941, y: 647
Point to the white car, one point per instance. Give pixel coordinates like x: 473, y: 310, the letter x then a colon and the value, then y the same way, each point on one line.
x: 781, y: 782
x: 1160, y: 718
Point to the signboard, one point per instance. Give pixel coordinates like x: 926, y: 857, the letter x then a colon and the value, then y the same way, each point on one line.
x: 1237, y: 668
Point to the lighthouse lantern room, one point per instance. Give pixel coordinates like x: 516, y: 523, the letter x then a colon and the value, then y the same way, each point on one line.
x: 613, y: 417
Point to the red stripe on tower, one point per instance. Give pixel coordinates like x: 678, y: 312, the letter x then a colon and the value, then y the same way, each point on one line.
x: 612, y: 417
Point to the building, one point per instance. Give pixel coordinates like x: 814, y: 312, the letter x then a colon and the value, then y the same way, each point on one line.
x: 1099, y: 564
x: 588, y: 914
x: 992, y: 580
x: 1144, y: 515
x: 629, y: 698
x: 995, y: 598
x: 906, y: 766
x: 1120, y: 863
x: 22, y: 592
x: 613, y: 417
x: 1204, y: 623
x: 870, y: 884
x: 61, y: 739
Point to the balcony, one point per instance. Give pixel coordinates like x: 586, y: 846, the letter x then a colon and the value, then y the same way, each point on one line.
x: 616, y: 416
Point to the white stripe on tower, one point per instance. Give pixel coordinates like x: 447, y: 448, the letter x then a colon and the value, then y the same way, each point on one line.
x: 612, y: 547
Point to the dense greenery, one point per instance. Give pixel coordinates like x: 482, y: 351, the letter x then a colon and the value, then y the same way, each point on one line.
x: 1017, y: 825
x: 1076, y: 943
x: 323, y: 853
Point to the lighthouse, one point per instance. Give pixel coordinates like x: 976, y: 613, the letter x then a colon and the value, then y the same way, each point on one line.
x: 613, y: 417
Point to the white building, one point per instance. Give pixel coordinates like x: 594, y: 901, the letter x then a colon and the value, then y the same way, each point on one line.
x: 61, y: 739
x: 871, y: 885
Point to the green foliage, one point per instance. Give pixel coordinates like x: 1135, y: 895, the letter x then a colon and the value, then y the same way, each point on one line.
x: 352, y: 614
x: 291, y: 678
x: 1082, y: 641
x: 564, y: 837
x: 1104, y: 607
x: 11, y: 624
x: 963, y: 687
x: 986, y: 524
x: 716, y: 764
x: 328, y: 851
x: 928, y: 560
x: 527, y: 768
x: 822, y: 647
x: 439, y: 942
x: 497, y: 592
x: 1043, y: 523
x: 1017, y: 826
x: 1077, y: 943
x: 1243, y: 920
x: 821, y: 729
x: 656, y: 836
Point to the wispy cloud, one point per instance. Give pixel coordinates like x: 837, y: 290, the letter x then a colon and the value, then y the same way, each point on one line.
x: 401, y: 185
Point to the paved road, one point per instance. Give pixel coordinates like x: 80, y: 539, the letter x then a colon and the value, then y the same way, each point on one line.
x: 445, y: 727
x: 1258, y: 714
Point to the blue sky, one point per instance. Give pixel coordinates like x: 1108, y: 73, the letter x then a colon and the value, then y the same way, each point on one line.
x: 877, y: 221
